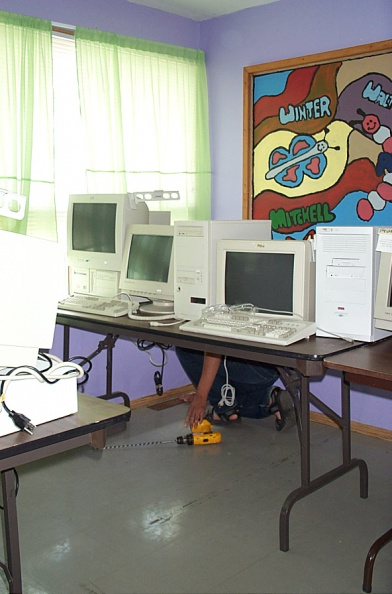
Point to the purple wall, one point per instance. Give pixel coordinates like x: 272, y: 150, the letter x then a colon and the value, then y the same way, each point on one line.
x: 277, y: 31
x: 116, y: 16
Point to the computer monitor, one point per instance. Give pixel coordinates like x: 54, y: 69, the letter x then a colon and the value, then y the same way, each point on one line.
x: 147, y: 269
x: 276, y: 276
x: 383, y: 304
x: 30, y: 269
x: 96, y: 229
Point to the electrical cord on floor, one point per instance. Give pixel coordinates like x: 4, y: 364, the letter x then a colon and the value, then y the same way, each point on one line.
x: 146, y: 346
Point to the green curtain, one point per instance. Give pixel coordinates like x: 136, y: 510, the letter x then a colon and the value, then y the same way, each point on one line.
x: 26, y: 123
x: 144, y: 110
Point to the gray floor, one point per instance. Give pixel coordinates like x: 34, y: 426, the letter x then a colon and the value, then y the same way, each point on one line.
x: 202, y: 519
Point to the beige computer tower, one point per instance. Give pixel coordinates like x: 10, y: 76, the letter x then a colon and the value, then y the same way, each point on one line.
x: 195, y: 259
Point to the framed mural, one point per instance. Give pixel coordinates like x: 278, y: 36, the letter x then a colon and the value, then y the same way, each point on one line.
x: 317, y: 140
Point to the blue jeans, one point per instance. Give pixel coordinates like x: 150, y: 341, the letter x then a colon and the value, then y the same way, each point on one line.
x: 252, y: 382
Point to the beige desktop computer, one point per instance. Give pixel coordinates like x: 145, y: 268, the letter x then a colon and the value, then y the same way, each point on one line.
x: 347, y: 264
x: 195, y: 244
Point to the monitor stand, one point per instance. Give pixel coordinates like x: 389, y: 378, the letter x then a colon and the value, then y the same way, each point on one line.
x: 157, y: 307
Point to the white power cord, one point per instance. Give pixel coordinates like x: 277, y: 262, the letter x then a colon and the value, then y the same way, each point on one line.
x: 152, y: 318
x: 227, y: 390
x: 335, y: 335
x: 56, y: 371
x: 167, y: 323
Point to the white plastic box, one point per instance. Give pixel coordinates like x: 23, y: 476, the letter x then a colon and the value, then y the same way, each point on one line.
x: 39, y: 401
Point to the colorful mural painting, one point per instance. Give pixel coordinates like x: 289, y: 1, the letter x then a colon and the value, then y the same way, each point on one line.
x: 319, y: 149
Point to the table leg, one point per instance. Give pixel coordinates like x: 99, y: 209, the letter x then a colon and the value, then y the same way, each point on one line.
x: 107, y: 344
x: 11, y: 531
x: 307, y: 485
x: 346, y: 441
x: 110, y: 343
x: 66, y: 339
x: 98, y: 439
x: 371, y: 557
x: 305, y: 466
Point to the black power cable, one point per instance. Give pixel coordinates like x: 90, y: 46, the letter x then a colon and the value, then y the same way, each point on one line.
x: 82, y: 361
x: 144, y: 345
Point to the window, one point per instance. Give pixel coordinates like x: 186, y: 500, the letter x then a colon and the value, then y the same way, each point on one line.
x: 70, y: 165
x: 145, y: 118
x: 126, y: 115
x: 120, y: 125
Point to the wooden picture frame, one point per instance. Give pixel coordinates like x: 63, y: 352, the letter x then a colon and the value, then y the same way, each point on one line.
x: 310, y: 154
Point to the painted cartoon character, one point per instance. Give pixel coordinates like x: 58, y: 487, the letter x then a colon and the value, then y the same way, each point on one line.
x: 377, y: 198
x: 304, y: 157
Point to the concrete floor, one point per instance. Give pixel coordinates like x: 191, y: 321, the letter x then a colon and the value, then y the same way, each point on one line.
x: 171, y: 518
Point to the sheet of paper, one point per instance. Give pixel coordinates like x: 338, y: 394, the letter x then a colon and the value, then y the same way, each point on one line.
x: 384, y: 243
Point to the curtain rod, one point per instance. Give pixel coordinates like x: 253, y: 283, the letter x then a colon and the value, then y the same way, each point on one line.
x: 64, y: 29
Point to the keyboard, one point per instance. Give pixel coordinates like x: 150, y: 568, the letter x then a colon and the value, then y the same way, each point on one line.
x: 267, y: 329
x: 104, y: 306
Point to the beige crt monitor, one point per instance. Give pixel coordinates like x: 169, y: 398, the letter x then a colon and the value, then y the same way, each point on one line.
x: 276, y: 276
x: 147, y: 267
x: 96, y: 231
x: 383, y: 304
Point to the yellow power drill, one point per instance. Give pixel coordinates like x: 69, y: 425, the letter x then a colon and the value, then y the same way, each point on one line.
x: 201, y: 435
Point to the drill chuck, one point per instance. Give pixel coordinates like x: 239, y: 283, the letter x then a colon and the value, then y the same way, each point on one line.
x: 185, y: 439
x: 199, y: 438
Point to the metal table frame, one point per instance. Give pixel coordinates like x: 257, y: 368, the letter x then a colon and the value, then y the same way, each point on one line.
x: 369, y: 366
x: 297, y: 364
x: 87, y: 426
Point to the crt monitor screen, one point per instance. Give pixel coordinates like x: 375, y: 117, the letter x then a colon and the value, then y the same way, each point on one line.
x: 147, y: 270
x: 94, y: 227
x: 266, y: 280
x: 149, y: 258
x: 273, y: 275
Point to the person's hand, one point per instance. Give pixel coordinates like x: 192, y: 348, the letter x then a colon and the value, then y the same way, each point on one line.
x: 196, y: 411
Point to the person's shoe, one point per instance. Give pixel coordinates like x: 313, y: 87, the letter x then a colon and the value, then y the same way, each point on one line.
x: 282, y: 403
x: 223, y: 417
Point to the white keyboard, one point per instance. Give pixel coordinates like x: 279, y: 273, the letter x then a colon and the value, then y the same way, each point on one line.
x: 268, y: 329
x: 104, y: 306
